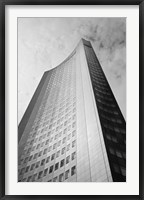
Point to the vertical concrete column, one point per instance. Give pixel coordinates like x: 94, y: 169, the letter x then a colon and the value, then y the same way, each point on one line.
x: 83, y: 164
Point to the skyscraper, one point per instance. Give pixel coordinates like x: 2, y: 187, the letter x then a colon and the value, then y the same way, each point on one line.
x: 73, y: 129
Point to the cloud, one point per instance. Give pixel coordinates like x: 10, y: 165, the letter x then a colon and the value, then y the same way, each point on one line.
x: 45, y: 42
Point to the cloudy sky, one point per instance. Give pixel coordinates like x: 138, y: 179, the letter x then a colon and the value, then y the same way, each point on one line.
x: 44, y: 43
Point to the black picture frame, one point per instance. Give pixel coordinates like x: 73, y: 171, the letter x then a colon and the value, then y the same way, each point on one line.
x: 3, y: 3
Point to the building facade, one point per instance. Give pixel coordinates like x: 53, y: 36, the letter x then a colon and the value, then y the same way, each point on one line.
x: 73, y: 129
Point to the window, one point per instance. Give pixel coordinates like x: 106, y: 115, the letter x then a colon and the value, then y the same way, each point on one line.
x: 47, y: 159
x: 33, y: 148
x: 37, y: 164
x: 47, y: 141
x: 44, y: 136
x: 59, y: 142
x: 30, y: 158
x: 34, y: 134
x: 34, y: 177
x: 73, y: 133
x: 54, y: 124
x: 54, y: 146
x: 42, y: 130
x: 65, y: 130
x: 69, y: 120
x: 49, y: 149
x: 55, y: 179
x: 40, y: 138
x: 63, y: 150
x: 22, y: 170
x: 58, y: 153
x: 38, y: 146
x: 27, y: 168
x: 119, y: 121
x: 66, y: 174
x: 32, y: 166
x: 123, y: 170
x: 73, y: 155
x: 42, y: 144
x: 73, y: 125
x: 73, y: 143
x: 45, y: 151
x: 56, y: 166
x: 45, y: 171
x: 61, y: 177
x: 60, y: 134
x: 68, y: 136
x: 26, y: 159
x: 73, y: 170
x: 29, y: 178
x: 116, y: 168
x: 74, y: 110
x: 21, y: 161
x: 108, y: 137
x: 69, y: 127
x: 60, y: 126
x: 53, y: 156
x: 50, y: 126
x: 64, y: 139
x: 74, y: 117
x: 65, y: 123
x: 112, y: 151
x: 43, y: 162
x: 48, y: 134
x: 56, y: 136
x: 40, y: 174
x: 117, y: 130
x: 51, y: 139
x: 118, y: 153
x: 115, y: 112
x: 51, y: 169
x: 62, y: 163
x: 114, y: 139
x: 40, y: 153
x: 67, y: 159
x: 68, y: 147
x: 35, y: 156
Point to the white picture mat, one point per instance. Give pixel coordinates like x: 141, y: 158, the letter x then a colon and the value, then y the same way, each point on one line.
x: 131, y: 187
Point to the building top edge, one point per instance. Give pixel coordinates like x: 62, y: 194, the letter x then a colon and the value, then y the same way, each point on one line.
x: 82, y: 41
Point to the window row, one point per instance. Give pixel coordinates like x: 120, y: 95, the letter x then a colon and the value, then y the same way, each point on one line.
x: 115, y: 120
x: 104, y: 97
x: 117, y: 153
x: 107, y: 110
x: 119, y: 169
x: 62, y: 177
x: 50, y: 133
x: 50, y: 140
x: 47, y: 160
x: 44, y: 115
x: 52, y: 123
x: 46, y: 150
x: 115, y: 129
x: 102, y: 92
x: 111, y: 105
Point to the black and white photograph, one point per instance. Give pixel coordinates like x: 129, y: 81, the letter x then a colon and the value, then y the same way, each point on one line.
x: 71, y: 99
